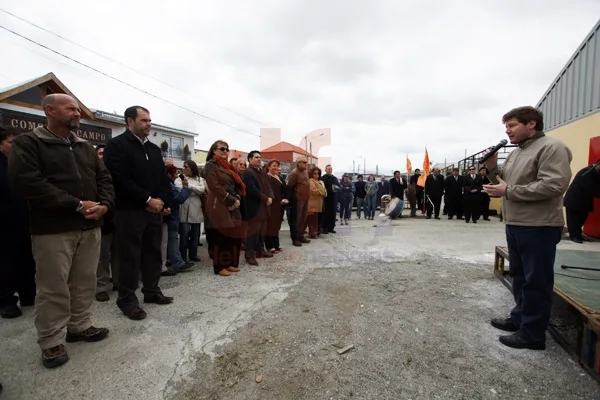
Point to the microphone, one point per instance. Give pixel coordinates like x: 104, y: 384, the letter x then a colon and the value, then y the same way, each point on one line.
x: 492, y: 151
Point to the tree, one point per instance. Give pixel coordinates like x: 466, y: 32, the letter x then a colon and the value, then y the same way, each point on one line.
x: 186, y: 152
x: 164, y: 147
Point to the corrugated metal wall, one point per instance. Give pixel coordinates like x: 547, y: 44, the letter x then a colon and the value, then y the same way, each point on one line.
x: 576, y: 91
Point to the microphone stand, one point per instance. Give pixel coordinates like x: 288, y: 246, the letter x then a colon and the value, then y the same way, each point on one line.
x: 582, y: 268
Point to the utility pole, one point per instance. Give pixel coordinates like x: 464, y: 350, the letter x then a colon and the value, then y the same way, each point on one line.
x: 353, y: 166
x: 311, y: 159
x: 377, y: 169
x: 306, y: 143
x: 364, y: 165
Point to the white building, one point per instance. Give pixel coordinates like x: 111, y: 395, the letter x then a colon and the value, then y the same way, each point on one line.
x: 20, y: 109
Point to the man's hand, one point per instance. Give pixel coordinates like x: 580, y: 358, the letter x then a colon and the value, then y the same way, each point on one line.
x: 285, y: 201
x: 492, y: 162
x: 166, y: 211
x: 473, y: 190
x: 86, y: 206
x: 236, y: 204
x: 269, y: 201
x: 155, y: 206
x: 498, y: 190
x: 96, y: 212
x: 427, y: 195
x: 184, y: 182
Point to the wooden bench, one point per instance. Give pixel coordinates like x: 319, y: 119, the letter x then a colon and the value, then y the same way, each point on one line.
x: 499, y: 266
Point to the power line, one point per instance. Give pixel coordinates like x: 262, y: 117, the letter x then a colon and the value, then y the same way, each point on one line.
x: 132, y: 69
x: 128, y: 84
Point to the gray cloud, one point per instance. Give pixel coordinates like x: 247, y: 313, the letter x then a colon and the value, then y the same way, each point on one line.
x: 388, y: 77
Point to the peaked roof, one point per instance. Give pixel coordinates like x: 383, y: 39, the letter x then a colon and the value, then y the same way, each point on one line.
x: 285, y: 146
x: 51, y: 82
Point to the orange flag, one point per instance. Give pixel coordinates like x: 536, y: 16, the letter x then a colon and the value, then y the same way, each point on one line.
x: 425, y: 174
x: 408, y: 167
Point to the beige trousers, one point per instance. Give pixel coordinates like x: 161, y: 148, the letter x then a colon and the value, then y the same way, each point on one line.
x: 66, y: 283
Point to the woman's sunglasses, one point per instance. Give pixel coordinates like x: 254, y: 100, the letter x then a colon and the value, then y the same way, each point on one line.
x: 223, y: 149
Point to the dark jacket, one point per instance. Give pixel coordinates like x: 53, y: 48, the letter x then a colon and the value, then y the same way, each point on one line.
x: 384, y: 188
x: 583, y: 189
x: 178, y: 197
x: 454, y: 186
x: 138, y: 172
x: 330, y: 181
x: 346, y: 191
x: 434, y: 185
x: 258, y: 190
x: 397, y: 188
x: 472, y: 184
x: 13, y: 208
x: 360, y: 191
x: 54, y: 176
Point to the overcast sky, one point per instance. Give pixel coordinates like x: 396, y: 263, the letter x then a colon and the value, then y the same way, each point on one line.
x: 388, y: 77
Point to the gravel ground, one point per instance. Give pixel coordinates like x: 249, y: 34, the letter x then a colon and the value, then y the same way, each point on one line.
x: 419, y: 330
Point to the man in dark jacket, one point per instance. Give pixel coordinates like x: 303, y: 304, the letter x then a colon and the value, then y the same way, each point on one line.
x: 384, y: 188
x: 259, y: 197
x: 17, y: 267
x: 329, y: 205
x: 579, y: 199
x: 454, y: 194
x: 472, y: 195
x: 68, y: 190
x: 414, y: 179
x: 434, y: 190
x: 360, y: 193
x: 142, y: 190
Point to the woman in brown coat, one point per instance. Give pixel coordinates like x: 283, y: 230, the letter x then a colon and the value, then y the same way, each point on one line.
x: 225, y: 191
x: 315, y: 202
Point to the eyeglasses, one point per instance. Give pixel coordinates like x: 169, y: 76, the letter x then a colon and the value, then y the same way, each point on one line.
x: 223, y: 149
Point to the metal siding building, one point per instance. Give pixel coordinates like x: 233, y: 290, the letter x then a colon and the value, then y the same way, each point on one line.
x: 575, y: 93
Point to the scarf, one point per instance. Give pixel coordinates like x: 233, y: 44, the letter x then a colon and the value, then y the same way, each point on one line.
x: 229, y: 169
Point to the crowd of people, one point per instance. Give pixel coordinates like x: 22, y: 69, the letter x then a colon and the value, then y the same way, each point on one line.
x: 76, y: 218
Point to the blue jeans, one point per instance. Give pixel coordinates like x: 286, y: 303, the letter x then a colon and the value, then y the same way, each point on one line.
x: 359, y: 207
x: 173, y: 253
x: 189, y: 235
x: 345, y: 208
x: 371, y: 205
x: 531, y: 253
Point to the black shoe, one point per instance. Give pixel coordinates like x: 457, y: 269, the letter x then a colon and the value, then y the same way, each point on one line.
x: 168, y: 272
x: 185, y: 267
x: 195, y: 259
x: 576, y: 239
x: 332, y: 231
x: 504, y: 324
x: 91, y: 334
x: 135, y: 313
x: 437, y: 217
x: 55, y: 356
x: 517, y: 342
x: 158, y: 299
x: 102, y: 296
x: 26, y: 302
x: 10, y: 311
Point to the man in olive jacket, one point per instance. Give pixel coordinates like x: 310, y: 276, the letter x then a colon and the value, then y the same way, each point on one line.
x: 68, y: 190
x: 532, y: 182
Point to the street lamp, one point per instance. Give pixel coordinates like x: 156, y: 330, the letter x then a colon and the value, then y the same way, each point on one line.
x: 307, y: 146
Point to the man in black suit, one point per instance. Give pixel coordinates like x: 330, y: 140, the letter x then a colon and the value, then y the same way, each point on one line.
x: 472, y: 195
x: 485, y: 198
x: 454, y: 194
x: 434, y: 190
x: 259, y: 197
x: 414, y: 179
x: 398, y: 185
x: 329, y: 206
x: 579, y: 199
x: 142, y: 190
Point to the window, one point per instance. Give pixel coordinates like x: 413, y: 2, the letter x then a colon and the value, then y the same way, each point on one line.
x: 175, y: 147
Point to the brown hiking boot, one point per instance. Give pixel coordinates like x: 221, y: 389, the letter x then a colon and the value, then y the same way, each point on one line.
x: 55, y: 356
x: 297, y: 243
x: 266, y: 255
x: 304, y: 240
x: 233, y: 269
x: 91, y: 334
x: 224, y: 272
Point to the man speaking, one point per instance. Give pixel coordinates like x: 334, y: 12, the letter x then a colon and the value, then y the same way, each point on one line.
x: 532, y: 181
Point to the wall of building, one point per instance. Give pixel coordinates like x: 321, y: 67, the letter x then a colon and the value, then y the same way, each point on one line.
x: 200, y: 156
x: 577, y: 136
x: 279, y: 155
x: 575, y: 93
x: 157, y: 136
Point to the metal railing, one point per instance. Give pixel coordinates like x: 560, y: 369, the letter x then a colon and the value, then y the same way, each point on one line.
x: 464, y: 164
